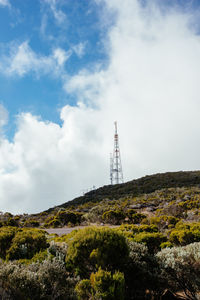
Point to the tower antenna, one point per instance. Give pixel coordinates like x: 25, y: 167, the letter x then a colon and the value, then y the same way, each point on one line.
x: 116, y: 174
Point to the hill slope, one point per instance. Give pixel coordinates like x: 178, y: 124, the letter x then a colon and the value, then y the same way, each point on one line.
x: 144, y: 185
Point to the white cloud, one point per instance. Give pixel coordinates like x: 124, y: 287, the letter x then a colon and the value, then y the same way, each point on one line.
x: 61, y: 56
x: 3, y: 116
x: 41, y: 168
x: 79, y: 49
x: 151, y: 87
x: 23, y: 59
x: 58, y: 14
x: 4, y: 3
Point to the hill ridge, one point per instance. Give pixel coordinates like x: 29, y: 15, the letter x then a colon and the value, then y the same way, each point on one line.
x: 144, y: 185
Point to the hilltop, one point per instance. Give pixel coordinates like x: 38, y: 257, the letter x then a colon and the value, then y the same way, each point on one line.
x: 146, y: 184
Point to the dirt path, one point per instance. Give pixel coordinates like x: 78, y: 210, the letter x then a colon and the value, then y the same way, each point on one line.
x: 66, y: 230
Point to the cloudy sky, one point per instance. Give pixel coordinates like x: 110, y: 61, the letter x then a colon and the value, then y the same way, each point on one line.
x: 69, y: 69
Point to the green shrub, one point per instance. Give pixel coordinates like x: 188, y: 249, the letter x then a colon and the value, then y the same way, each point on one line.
x: 94, y: 247
x: 12, y: 222
x: 66, y: 217
x: 137, y: 218
x: 184, y: 236
x: 113, y: 216
x: 102, y: 285
x: 164, y: 221
x: 83, y: 289
x: 6, y: 236
x: 166, y: 245
x: 31, y: 223
x: 26, y: 243
x: 134, y: 229
x: 151, y: 240
x: 52, y: 222
x: 189, y: 204
x: 106, y: 286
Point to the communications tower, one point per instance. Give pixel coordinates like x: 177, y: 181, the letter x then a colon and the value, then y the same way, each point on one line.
x: 116, y: 174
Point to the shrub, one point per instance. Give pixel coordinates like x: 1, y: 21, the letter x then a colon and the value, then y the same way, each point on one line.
x: 52, y: 222
x: 113, y: 216
x: 91, y: 248
x: 6, y: 236
x: 181, y: 268
x: 107, y: 286
x: 46, y: 280
x: 137, y: 218
x: 102, y: 285
x: 58, y: 249
x: 134, y: 229
x: 151, y: 240
x: 166, y: 245
x: 141, y: 273
x: 164, y: 221
x: 26, y: 243
x: 66, y: 217
x: 83, y: 289
x: 31, y: 223
x: 12, y: 222
x: 184, y: 236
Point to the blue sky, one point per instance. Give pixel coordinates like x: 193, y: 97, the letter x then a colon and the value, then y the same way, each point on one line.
x: 73, y: 26
x: 46, y: 25
x: 69, y: 69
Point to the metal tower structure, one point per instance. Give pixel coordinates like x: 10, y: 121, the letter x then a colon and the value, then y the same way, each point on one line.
x: 116, y: 174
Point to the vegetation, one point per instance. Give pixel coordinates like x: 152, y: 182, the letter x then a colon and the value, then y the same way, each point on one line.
x: 92, y: 248
x: 148, y: 242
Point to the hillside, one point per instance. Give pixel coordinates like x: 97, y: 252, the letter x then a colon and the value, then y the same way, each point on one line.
x: 175, y: 194
x: 144, y: 185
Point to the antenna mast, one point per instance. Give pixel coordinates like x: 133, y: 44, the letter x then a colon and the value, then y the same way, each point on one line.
x: 116, y: 174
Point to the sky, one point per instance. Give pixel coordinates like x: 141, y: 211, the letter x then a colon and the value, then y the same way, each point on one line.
x: 69, y: 69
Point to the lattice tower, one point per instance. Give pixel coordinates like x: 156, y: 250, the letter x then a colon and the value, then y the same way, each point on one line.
x: 116, y: 174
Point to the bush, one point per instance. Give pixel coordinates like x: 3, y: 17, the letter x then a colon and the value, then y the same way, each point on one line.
x: 164, y: 221
x: 113, y: 216
x: 6, y: 236
x: 181, y: 268
x: 52, y: 222
x: 134, y: 229
x: 83, y: 289
x: 12, y: 222
x: 137, y: 218
x: 26, y: 243
x: 46, y: 280
x: 31, y: 223
x: 182, y: 237
x: 141, y: 273
x: 102, y: 285
x: 63, y: 218
x: 91, y: 248
x: 151, y: 240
